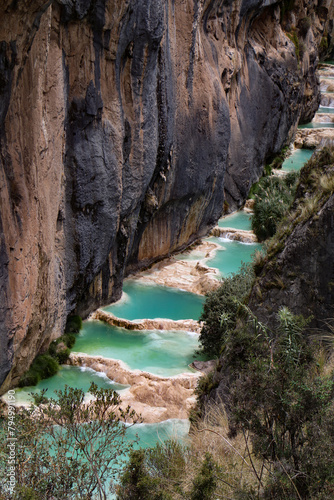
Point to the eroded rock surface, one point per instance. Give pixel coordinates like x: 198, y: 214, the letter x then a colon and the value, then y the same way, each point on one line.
x: 299, y: 271
x: 313, y: 138
x: 234, y: 234
x: 188, y: 325
x: 190, y: 275
x: 155, y: 398
x: 121, y: 125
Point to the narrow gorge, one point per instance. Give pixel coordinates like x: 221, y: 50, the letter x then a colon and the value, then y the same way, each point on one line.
x: 126, y: 127
x: 166, y: 244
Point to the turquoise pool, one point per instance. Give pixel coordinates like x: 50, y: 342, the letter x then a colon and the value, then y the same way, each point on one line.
x: 297, y: 160
x: 316, y: 125
x: 141, y: 301
x: 161, y: 353
x: 228, y: 259
x: 237, y: 220
x: 73, y: 376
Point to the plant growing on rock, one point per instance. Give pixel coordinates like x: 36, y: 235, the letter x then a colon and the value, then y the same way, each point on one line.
x: 46, y: 365
x: 272, y: 199
x: 220, y: 310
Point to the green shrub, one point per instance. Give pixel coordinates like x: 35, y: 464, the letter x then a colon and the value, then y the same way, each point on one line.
x: 68, y: 339
x: 277, y: 395
x: 63, y: 355
x: 304, y: 25
x: 272, y: 199
x: 47, y: 365
x: 29, y: 378
x: 154, y: 474
x: 324, y: 42
x: 295, y: 40
x: 205, y: 482
x: 220, y: 310
x: 43, y: 366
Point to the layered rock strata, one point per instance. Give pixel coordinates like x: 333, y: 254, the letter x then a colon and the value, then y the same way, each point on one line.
x: 234, y: 234
x: 122, y: 123
x: 155, y: 398
x: 188, y: 325
x: 190, y: 275
x: 314, y: 138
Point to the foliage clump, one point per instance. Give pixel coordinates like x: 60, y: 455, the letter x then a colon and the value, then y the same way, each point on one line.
x: 43, y: 366
x: 273, y: 197
x: 277, y: 440
x: 220, y: 310
x: 46, y: 365
x: 162, y: 473
x: 281, y: 400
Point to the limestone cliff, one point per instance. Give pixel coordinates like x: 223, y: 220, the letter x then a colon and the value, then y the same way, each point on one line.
x: 121, y: 124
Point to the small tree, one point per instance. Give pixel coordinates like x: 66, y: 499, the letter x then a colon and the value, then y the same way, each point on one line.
x: 68, y: 449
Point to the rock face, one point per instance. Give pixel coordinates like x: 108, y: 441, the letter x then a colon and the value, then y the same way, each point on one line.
x: 299, y: 272
x: 119, y: 121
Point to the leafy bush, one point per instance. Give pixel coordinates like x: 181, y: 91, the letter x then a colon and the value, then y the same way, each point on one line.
x: 273, y: 197
x: 63, y: 355
x: 205, y: 482
x: 43, y: 366
x: 220, y: 310
x: 55, y: 355
x: 304, y: 25
x: 295, y: 40
x: 29, y: 378
x: 68, y: 339
x: 280, y: 415
x: 280, y: 399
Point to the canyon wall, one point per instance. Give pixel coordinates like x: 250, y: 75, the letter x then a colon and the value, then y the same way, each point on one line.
x: 124, y: 125
x: 298, y: 271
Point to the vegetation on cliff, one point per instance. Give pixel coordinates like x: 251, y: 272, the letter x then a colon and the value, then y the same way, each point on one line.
x: 272, y: 198
x: 46, y: 365
x: 220, y: 310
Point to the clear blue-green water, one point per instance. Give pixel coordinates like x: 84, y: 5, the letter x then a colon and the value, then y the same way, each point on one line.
x: 237, y: 220
x: 140, y: 301
x: 325, y: 109
x: 73, y: 376
x: 150, y: 434
x: 229, y: 257
x: 164, y: 353
x: 316, y: 125
x: 297, y: 160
